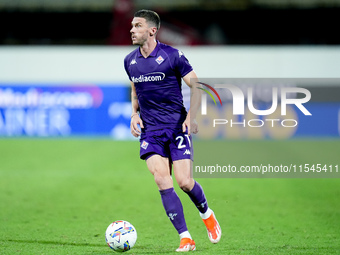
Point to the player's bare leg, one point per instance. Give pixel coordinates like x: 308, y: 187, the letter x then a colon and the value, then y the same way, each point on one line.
x: 161, y: 169
x: 196, y: 193
x: 183, y: 175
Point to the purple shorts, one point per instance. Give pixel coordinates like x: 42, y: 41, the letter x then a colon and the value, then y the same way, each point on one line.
x: 169, y: 143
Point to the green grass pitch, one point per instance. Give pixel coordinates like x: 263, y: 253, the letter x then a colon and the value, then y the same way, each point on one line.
x: 57, y: 196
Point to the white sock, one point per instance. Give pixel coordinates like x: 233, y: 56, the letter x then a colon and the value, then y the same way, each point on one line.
x: 185, y: 234
x: 207, y: 214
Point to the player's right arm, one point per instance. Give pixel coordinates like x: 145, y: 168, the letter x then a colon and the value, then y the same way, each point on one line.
x: 135, y: 119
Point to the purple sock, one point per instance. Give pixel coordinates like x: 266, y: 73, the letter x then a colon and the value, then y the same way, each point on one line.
x: 197, y: 196
x: 174, y: 209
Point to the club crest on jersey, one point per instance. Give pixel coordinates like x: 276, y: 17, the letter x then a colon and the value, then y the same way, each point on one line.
x: 159, y: 60
x: 133, y: 61
x: 144, y: 145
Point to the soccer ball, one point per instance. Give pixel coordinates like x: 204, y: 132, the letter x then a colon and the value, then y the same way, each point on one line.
x: 121, y: 235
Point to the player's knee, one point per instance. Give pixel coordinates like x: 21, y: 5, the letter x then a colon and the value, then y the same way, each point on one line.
x: 186, y: 184
x: 162, y: 181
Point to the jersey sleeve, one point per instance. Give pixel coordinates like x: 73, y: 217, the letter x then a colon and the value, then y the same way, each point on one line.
x: 126, y: 65
x: 181, y: 63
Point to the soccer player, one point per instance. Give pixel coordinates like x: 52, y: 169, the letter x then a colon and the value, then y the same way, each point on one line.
x: 163, y: 124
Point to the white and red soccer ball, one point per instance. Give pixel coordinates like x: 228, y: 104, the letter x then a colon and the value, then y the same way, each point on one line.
x: 121, y: 235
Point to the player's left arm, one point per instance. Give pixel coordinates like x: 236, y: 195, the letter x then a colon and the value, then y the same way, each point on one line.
x: 195, y: 101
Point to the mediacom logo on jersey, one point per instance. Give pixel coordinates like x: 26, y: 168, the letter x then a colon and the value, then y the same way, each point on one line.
x: 155, y: 76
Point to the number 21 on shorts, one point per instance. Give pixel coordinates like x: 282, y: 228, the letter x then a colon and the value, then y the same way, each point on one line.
x: 181, y: 143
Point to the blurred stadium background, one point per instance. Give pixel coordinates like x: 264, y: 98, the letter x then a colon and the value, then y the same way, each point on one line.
x: 232, y: 22
x: 61, y: 61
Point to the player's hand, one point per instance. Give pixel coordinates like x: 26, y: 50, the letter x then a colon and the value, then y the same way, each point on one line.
x: 135, y: 120
x: 192, y: 126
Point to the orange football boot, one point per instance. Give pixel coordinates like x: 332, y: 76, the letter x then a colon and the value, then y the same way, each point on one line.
x: 186, y: 244
x: 213, y: 228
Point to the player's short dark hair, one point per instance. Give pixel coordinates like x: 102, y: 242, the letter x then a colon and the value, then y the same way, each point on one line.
x: 150, y: 17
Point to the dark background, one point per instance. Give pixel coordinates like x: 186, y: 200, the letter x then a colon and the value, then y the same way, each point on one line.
x: 202, y: 22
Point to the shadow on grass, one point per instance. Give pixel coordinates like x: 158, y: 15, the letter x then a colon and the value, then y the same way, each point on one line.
x: 53, y: 243
x: 138, y: 249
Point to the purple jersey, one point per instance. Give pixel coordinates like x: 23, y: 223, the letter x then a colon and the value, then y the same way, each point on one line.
x: 157, y: 80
